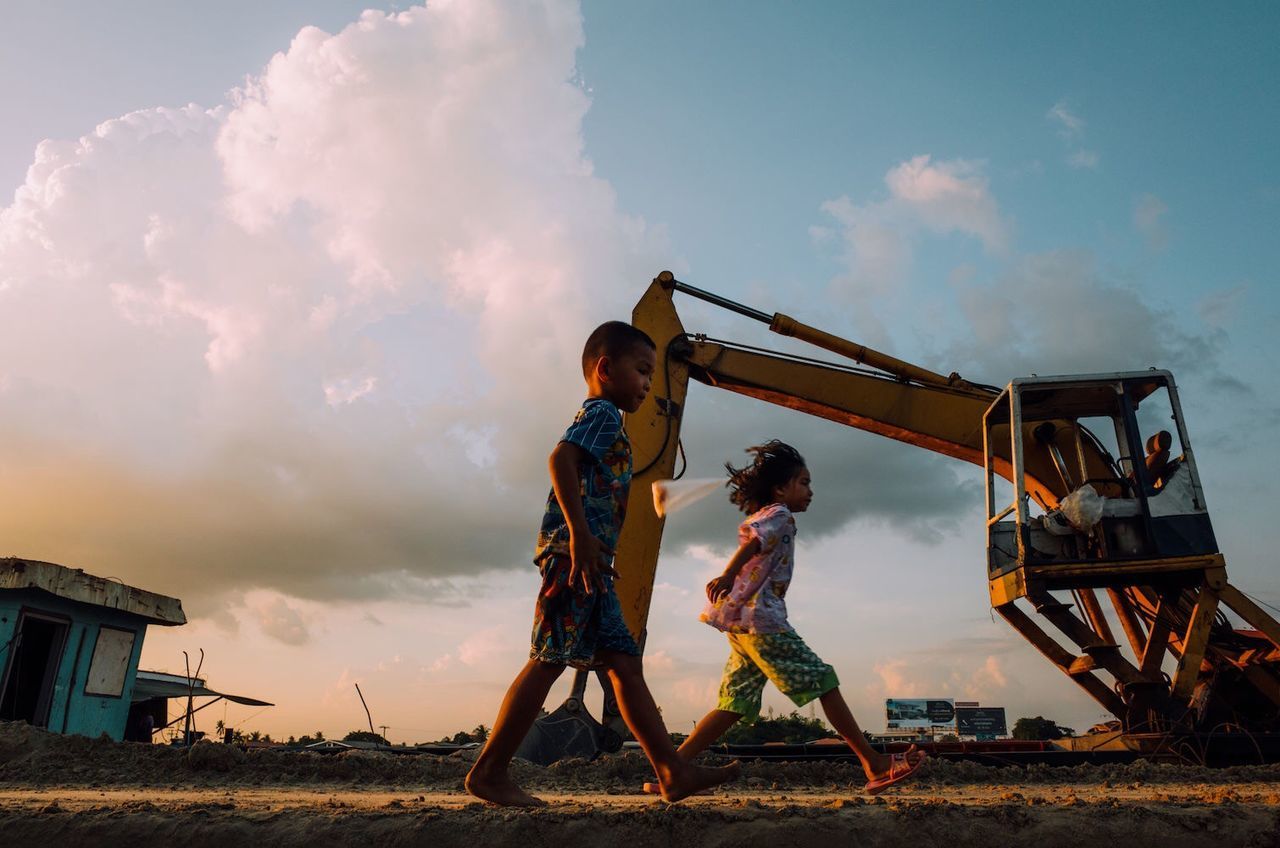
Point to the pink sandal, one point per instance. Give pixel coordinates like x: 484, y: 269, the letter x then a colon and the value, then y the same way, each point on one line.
x: 900, y: 768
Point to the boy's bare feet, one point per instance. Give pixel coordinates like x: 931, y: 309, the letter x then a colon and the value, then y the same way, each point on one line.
x: 688, y: 779
x: 499, y: 789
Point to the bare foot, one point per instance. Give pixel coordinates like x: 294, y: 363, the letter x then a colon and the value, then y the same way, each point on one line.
x: 689, y: 780
x: 500, y: 790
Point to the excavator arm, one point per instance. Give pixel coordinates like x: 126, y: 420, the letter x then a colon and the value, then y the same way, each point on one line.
x: 875, y: 392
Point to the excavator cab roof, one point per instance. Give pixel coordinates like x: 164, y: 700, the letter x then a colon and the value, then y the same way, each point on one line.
x: 1083, y: 395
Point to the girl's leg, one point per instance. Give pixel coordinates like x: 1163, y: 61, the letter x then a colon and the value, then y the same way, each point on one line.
x: 837, y: 711
x: 712, y: 726
x: 489, y: 779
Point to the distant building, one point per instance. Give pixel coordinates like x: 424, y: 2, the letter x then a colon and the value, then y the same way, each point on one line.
x: 69, y: 646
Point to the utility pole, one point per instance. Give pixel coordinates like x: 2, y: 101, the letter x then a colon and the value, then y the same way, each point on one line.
x: 383, y: 728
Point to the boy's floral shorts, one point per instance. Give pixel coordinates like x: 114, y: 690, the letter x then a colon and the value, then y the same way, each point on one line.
x: 783, y: 658
x: 569, y: 626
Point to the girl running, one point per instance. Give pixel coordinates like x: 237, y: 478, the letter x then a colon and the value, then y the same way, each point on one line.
x: 747, y: 603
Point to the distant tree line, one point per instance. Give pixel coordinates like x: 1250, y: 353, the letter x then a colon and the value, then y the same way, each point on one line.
x: 462, y: 737
x: 1040, y: 727
x: 791, y: 729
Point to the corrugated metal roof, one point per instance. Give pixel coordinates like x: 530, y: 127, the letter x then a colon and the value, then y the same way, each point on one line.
x: 75, y: 585
x: 157, y: 684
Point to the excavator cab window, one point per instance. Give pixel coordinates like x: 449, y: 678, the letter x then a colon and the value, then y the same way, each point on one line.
x: 1164, y: 459
x: 1106, y: 459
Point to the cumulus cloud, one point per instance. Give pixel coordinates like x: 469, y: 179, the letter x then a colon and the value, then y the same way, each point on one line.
x: 949, y: 197
x: 956, y: 669
x: 317, y: 338
x: 925, y: 196
x: 280, y: 620
x: 1056, y: 313
x: 894, y: 678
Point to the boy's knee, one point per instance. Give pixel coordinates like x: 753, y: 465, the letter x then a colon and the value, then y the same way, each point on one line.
x: 620, y: 664
x: 546, y: 668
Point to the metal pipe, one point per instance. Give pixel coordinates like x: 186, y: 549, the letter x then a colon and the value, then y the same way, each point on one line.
x: 785, y: 325
x: 668, y: 279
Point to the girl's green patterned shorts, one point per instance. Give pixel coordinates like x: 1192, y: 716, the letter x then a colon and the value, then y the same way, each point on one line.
x: 783, y: 658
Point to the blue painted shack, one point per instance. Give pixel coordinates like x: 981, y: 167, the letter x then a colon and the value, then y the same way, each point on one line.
x: 69, y: 646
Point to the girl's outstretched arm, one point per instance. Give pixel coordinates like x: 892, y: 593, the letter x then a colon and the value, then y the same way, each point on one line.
x: 721, y: 586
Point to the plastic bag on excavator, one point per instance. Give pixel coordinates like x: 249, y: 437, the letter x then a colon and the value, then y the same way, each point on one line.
x: 1083, y: 508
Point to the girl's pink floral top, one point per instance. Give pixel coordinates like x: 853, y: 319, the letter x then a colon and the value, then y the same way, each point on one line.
x: 755, y: 604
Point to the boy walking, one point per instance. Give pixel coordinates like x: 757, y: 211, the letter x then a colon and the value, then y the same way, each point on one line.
x: 577, y: 619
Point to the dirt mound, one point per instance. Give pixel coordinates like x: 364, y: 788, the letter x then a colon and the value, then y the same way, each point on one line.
x: 32, y: 757
x: 353, y: 819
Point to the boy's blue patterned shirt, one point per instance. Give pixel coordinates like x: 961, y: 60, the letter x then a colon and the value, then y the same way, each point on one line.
x: 604, y: 484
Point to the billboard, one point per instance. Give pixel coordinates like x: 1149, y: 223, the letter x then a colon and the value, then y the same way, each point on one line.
x: 982, y: 722
x: 919, y: 713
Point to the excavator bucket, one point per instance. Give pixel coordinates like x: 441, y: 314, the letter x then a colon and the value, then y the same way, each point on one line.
x: 570, y: 731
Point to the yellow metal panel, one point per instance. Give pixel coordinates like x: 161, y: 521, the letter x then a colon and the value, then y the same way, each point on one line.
x: 654, y: 430
x: 1251, y: 613
x: 1195, y: 643
x: 1007, y: 588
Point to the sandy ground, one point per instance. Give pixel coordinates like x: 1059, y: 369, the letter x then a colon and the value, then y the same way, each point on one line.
x: 68, y: 792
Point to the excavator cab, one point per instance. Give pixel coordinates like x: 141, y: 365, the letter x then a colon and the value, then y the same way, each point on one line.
x: 1095, y: 479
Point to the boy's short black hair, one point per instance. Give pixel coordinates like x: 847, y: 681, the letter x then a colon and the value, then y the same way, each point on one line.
x: 612, y: 339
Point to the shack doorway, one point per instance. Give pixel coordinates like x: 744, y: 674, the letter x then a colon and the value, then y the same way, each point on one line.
x: 34, y: 658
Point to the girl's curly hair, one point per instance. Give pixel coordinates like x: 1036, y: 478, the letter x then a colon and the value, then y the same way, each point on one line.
x: 751, y: 487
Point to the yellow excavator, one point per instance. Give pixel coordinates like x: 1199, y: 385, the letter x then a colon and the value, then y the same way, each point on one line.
x: 1092, y: 492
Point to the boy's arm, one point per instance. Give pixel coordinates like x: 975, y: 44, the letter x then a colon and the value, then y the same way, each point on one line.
x: 588, y: 555
x: 721, y: 586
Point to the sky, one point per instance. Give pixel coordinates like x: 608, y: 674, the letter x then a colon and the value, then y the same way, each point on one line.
x: 291, y: 297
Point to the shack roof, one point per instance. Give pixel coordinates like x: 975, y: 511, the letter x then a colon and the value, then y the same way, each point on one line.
x: 159, y: 684
x: 75, y: 585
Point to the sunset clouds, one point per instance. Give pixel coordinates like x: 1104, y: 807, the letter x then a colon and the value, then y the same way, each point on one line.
x: 296, y: 352
x: 310, y: 332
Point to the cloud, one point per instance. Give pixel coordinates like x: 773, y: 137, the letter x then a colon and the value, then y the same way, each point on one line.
x: 949, y: 197
x: 1055, y: 313
x: 317, y: 338
x: 948, y: 671
x: 894, y: 681
x: 1071, y: 130
x: 1148, y: 217
x: 483, y: 646
x: 1070, y: 124
x: 1086, y: 159
x: 925, y: 196
x: 990, y: 675
x: 856, y: 477
x: 1219, y: 308
x: 280, y: 620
